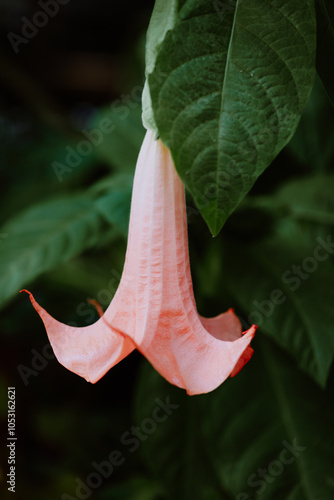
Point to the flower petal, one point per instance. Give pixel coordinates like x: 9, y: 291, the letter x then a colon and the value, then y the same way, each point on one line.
x: 154, y: 307
x: 89, y: 351
x: 194, y: 353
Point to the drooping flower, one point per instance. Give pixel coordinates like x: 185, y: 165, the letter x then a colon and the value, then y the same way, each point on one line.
x: 154, y: 308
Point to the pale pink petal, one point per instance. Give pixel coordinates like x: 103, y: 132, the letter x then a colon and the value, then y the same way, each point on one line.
x: 89, y: 351
x: 154, y: 307
x: 194, y: 353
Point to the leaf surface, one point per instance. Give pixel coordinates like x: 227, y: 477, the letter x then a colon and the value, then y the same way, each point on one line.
x: 44, y: 236
x: 234, y: 79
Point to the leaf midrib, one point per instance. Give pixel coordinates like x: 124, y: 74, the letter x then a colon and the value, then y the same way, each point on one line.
x: 222, y: 103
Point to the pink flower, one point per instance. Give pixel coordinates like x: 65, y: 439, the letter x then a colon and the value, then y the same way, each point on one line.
x: 154, y: 308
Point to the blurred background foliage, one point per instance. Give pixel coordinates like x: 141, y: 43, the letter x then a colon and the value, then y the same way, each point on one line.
x: 63, y: 236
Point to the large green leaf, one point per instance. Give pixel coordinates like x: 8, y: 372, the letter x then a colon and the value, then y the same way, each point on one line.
x: 234, y: 80
x: 114, y: 200
x: 265, y: 434
x: 285, y: 281
x: 53, y: 232
x: 44, y: 236
x: 119, y: 132
x: 162, y: 20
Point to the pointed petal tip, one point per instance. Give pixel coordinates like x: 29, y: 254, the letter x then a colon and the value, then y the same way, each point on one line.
x: 88, y: 351
x: 243, y: 360
x: 251, y: 331
x: 35, y: 304
x: 247, y: 354
x: 31, y: 297
x: 97, y: 306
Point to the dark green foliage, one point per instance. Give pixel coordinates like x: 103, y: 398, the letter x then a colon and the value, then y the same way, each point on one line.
x: 235, y: 83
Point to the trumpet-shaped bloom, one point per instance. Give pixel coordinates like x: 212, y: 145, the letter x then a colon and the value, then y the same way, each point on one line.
x: 154, y: 309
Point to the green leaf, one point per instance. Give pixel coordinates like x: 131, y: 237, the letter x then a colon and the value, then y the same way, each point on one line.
x: 44, y: 162
x: 285, y: 281
x: 48, y: 234
x: 312, y: 143
x: 114, y: 205
x: 162, y: 20
x: 119, y: 147
x: 264, y: 434
x: 235, y: 79
x: 325, y: 44
x: 309, y: 200
x: 44, y: 236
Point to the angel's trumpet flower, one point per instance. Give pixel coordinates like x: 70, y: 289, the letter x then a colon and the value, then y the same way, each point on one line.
x: 154, y: 309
